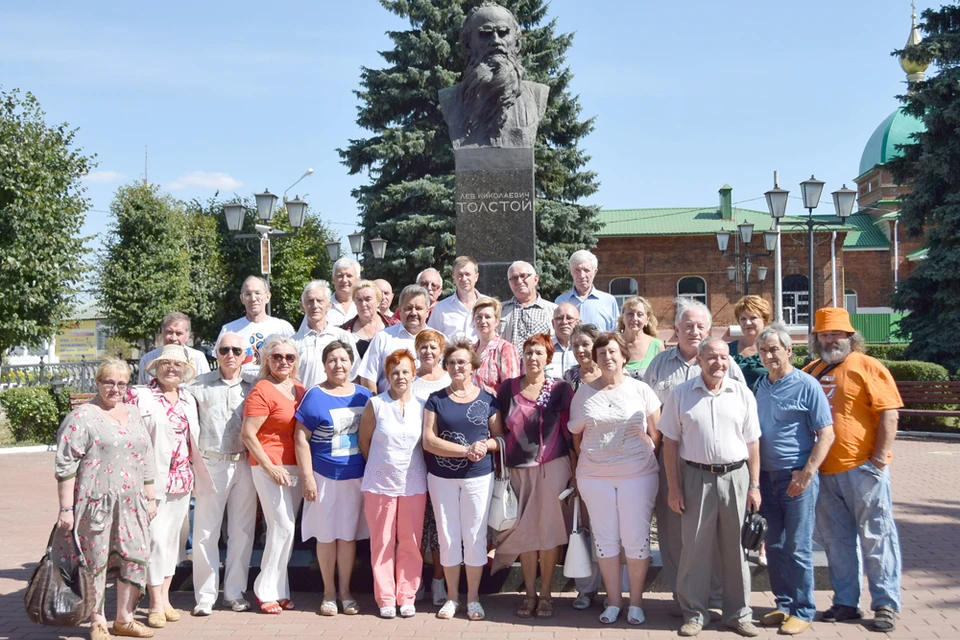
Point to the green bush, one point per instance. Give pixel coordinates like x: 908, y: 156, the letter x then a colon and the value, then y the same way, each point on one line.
x: 32, y: 413
x: 887, y: 351
x: 917, y: 370
x: 913, y: 370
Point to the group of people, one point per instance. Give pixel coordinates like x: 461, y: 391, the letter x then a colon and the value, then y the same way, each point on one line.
x: 386, y: 425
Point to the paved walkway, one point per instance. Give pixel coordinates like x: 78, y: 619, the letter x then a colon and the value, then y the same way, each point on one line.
x: 926, y: 481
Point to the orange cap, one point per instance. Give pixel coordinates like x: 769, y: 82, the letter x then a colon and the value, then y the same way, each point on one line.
x: 833, y: 319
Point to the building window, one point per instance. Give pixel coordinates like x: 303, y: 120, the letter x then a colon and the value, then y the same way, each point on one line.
x: 850, y: 301
x: 692, y: 287
x: 623, y: 289
x: 796, y: 299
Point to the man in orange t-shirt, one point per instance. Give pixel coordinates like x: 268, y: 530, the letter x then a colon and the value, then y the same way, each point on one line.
x: 855, y: 501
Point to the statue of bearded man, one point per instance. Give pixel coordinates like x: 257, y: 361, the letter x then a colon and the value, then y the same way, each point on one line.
x: 493, y: 106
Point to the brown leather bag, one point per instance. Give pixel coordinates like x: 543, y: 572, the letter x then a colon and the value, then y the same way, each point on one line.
x: 57, y: 594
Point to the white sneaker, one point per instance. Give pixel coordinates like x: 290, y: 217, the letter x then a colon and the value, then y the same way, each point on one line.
x: 203, y: 609
x: 438, y: 590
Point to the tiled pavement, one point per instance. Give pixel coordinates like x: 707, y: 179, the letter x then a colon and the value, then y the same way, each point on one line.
x: 926, y: 489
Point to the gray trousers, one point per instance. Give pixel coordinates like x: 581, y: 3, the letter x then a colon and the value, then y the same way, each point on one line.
x: 714, y: 507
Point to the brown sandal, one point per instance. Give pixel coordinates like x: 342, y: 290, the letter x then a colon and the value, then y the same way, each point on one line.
x: 545, y: 608
x: 526, y: 608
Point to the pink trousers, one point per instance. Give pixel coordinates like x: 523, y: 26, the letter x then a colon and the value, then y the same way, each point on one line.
x: 396, y: 528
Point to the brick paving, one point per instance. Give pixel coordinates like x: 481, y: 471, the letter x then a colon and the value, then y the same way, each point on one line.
x: 926, y: 477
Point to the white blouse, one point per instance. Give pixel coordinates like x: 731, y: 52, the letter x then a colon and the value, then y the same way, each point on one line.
x: 395, y: 464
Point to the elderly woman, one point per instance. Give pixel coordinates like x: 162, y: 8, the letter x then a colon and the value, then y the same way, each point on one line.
x: 328, y: 451
x: 431, y: 376
x: 753, y: 314
x: 170, y: 415
x: 395, y: 487
x: 460, y: 424
x: 369, y: 319
x: 581, y: 341
x: 498, y: 357
x: 534, y: 410
x: 105, y: 470
x: 616, y: 418
x: 638, y: 326
x: 268, y: 432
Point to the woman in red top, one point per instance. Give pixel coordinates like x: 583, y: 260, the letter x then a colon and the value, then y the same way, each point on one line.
x: 268, y: 428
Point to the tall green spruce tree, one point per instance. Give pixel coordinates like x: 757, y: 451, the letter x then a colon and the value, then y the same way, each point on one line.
x: 409, y: 158
x: 932, y: 166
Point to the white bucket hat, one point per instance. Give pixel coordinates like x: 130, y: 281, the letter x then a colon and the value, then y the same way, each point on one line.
x: 174, y: 353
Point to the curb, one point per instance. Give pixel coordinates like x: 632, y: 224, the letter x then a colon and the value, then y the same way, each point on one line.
x: 39, y: 448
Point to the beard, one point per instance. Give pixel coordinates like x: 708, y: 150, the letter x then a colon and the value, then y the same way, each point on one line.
x: 490, y: 87
x: 836, y: 352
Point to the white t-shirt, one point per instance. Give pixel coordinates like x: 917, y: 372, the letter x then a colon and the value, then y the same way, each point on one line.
x: 395, y: 464
x: 254, y: 335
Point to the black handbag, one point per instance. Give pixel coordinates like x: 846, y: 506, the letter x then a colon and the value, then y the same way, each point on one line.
x: 753, y: 532
x: 60, y: 595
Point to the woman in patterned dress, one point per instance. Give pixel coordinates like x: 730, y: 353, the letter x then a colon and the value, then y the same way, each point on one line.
x: 499, y: 360
x: 105, y: 473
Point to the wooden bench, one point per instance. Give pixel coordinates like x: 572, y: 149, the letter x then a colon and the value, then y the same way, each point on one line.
x: 77, y: 399
x: 927, y: 393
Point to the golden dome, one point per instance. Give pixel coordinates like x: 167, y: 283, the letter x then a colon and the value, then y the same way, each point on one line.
x: 913, y: 68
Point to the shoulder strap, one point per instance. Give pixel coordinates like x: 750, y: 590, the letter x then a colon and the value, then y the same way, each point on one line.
x: 825, y: 371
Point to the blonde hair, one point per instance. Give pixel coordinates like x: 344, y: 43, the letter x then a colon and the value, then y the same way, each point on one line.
x: 266, y: 353
x: 367, y: 284
x: 639, y: 301
x: 112, y: 364
x: 484, y: 303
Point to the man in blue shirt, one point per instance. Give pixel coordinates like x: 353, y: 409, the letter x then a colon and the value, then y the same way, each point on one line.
x: 796, y: 428
x: 595, y: 306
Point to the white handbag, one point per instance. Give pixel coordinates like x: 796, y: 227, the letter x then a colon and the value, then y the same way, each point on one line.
x: 504, y: 507
x: 579, y: 560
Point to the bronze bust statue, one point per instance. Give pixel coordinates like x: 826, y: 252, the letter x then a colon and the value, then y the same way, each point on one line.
x: 492, y: 105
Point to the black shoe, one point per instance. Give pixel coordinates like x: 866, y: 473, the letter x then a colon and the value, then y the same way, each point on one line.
x: 840, y: 613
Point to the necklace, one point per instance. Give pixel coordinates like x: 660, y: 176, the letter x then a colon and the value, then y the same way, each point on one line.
x: 459, y: 394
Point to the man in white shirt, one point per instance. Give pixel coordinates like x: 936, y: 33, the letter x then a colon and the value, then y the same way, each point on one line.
x: 220, y: 395
x: 256, y: 326
x: 453, y: 316
x: 346, y: 273
x: 316, y: 333
x: 595, y: 306
x: 565, y: 319
x: 413, y: 317
x: 175, y: 329
x: 711, y: 450
x: 526, y: 313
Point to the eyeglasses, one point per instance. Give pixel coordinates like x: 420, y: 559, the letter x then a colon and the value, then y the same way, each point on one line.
x: 237, y: 351
x: 168, y: 364
x: 289, y: 358
x: 520, y: 276
x: 113, y: 384
x: 253, y: 295
x: 430, y: 285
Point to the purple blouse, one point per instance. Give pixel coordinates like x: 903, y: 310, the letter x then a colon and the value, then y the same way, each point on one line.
x: 536, y: 431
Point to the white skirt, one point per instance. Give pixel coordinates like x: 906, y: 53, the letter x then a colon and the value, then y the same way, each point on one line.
x: 337, y: 513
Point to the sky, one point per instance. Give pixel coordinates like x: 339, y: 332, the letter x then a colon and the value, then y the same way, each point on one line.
x: 241, y: 96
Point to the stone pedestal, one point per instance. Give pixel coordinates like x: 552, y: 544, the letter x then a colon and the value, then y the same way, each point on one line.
x: 495, y: 205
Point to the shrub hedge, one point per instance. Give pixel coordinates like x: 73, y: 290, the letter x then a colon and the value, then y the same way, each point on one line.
x: 32, y: 413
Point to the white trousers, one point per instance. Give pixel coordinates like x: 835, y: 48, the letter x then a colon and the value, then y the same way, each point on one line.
x: 165, y: 540
x: 461, y: 507
x: 279, y: 506
x: 620, y: 513
x: 235, y: 495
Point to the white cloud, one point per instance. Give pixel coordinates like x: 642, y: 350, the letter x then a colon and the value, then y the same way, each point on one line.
x: 205, y: 180
x: 105, y: 177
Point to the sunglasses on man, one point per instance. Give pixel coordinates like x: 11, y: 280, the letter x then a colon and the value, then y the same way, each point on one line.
x: 237, y: 351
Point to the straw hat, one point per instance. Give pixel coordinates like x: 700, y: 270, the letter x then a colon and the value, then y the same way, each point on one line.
x: 833, y: 319
x: 174, y: 353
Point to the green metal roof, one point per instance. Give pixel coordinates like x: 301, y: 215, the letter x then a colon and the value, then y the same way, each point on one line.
x: 867, y: 234
x: 893, y: 215
x: 919, y: 254
x: 679, y: 221
x: 896, y: 129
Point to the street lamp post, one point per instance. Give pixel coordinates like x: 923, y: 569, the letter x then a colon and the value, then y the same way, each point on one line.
x: 378, y: 246
x: 745, y: 232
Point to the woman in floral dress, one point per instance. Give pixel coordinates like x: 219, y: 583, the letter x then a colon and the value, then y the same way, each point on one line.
x: 105, y: 472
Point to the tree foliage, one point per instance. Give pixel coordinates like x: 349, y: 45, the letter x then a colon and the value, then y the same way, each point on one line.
x: 932, y: 165
x: 41, y: 212
x: 409, y: 158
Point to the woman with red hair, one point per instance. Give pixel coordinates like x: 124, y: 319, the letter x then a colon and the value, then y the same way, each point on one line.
x: 395, y: 487
x: 534, y: 411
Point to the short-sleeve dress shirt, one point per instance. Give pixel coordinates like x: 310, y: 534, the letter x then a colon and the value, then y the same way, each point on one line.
x: 597, y: 307
x: 669, y: 368
x: 382, y: 345
x: 452, y: 318
x: 220, y: 405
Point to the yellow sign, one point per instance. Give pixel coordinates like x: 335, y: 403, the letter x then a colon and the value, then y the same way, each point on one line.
x: 78, y: 340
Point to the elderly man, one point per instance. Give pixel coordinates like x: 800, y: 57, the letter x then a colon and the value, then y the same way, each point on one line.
x: 256, y: 326
x: 175, y: 329
x: 692, y: 323
x: 796, y: 433
x: 346, y: 273
x: 386, y: 289
x: 413, y: 318
x: 855, y: 506
x: 453, y: 316
x: 430, y: 280
x: 316, y: 333
x: 710, y: 427
x: 526, y: 313
x: 220, y: 395
x: 595, y: 306
x: 565, y: 319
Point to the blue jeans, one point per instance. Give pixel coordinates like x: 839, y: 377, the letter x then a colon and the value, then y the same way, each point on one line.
x: 790, y: 542
x: 855, y: 523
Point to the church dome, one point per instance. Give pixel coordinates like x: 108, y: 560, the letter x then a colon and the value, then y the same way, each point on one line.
x: 896, y: 129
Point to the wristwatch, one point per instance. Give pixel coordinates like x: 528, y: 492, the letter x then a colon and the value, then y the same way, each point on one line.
x: 755, y: 486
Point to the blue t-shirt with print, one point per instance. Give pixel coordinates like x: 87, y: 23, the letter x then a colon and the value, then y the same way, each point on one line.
x: 791, y: 411
x: 462, y: 423
x: 334, y: 424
